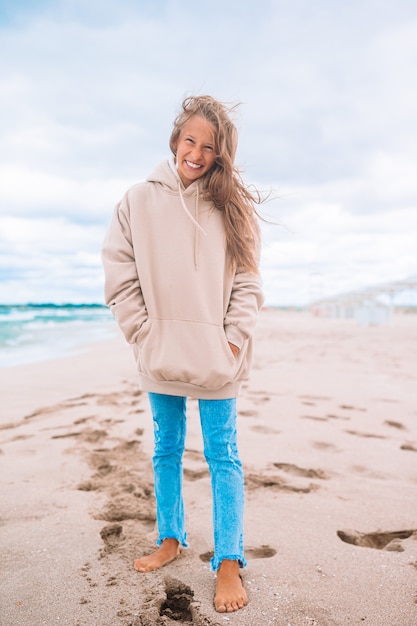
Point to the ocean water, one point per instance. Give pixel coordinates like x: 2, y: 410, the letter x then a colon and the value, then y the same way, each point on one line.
x: 36, y: 332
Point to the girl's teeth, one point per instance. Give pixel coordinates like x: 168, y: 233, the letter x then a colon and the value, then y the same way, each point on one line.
x: 193, y: 165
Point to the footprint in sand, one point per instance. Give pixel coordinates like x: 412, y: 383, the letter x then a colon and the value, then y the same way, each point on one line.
x: 130, y: 496
x: 366, y: 435
x: 366, y: 471
x: 51, y: 409
x: 395, y: 424
x: 260, y: 397
x: 127, y: 507
x: 178, y: 599
x: 389, y: 540
x: 313, y: 417
x: 88, y: 435
x: 324, y: 445
x: 248, y: 413
x: 409, y: 446
x: 261, y: 552
x: 301, y: 471
x: 195, y: 455
x: 310, y: 398
x: 195, y: 473
x: 67, y: 435
x: 11, y: 425
x: 83, y: 420
x: 112, y: 535
x: 20, y: 438
x: 111, y: 399
x: 257, y: 481
x: 190, y: 474
x: 337, y: 417
x: 264, y: 430
x: 350, y: 407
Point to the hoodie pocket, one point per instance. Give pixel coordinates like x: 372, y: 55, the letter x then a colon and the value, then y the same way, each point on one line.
x: 183, y: 351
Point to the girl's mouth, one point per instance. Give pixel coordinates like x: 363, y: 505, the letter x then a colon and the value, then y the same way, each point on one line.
x: 193, y: 166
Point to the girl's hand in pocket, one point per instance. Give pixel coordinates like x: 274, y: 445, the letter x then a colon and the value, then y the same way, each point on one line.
x: 234, y: 349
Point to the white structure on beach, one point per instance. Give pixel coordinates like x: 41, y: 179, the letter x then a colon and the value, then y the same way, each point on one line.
x: 369, y: 306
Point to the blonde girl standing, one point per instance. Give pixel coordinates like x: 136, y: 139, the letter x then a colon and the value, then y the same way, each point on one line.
x: 182, y: 281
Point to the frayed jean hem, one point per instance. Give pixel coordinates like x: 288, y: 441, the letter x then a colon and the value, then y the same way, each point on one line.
x: 183, y: 543
x: 216, y: 561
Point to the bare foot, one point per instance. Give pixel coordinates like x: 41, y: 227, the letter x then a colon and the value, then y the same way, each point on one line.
x: 167, y: 551
x: 230, y: 594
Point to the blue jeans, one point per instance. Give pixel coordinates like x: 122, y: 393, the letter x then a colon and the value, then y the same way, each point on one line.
x: 218, y: 425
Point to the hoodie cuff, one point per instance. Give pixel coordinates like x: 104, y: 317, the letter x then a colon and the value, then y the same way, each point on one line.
x: 234, y: 335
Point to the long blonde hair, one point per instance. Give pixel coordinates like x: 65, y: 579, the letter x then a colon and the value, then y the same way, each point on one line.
x: 223, y: 183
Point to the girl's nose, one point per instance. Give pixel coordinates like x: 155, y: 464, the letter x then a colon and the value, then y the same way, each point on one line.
x: 196, y: 153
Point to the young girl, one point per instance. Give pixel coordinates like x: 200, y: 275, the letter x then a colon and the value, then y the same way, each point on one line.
x: 182, y: 281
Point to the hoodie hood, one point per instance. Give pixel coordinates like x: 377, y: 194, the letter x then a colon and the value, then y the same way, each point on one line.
x: 166, y: 174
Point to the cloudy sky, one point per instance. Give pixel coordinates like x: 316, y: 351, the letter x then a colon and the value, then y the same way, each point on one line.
x: 328, y: 122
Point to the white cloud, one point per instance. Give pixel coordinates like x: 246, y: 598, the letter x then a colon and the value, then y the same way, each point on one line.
x: 39, y: 193
x: 88, y: 92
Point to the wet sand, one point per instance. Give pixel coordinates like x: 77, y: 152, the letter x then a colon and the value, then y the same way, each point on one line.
x: 328, y: 440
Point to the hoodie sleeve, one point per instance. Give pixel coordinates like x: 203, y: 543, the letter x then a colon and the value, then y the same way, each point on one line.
x: 122, y: 289
x: 245, y: 302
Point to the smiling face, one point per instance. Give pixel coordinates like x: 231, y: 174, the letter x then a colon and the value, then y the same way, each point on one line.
x: 195, y: 149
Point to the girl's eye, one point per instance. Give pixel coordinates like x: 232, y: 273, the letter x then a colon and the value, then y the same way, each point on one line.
x: 210, y: 148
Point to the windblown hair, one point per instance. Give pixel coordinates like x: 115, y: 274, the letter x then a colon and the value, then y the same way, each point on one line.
x: 223, y: 183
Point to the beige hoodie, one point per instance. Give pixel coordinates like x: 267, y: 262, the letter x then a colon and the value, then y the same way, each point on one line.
x: 169, y: 288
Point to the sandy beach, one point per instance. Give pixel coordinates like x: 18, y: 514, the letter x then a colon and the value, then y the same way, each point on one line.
x: 328, y: 440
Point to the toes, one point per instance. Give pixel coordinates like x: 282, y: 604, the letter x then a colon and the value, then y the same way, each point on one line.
x: 230, y: 607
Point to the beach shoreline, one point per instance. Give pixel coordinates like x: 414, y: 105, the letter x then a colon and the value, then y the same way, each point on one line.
x: 33, y: 333
x: 328, y: 440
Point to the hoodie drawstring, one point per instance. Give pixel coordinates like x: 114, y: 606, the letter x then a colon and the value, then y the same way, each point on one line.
x: 194, y: 221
